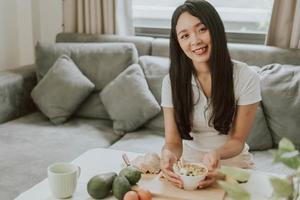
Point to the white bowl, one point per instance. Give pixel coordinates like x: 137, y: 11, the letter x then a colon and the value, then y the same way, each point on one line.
x: 190, y: 182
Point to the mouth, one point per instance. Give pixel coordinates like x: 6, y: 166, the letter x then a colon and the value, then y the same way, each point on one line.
x: 200, y: 50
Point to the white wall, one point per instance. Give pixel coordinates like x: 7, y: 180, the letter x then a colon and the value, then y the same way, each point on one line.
x: 47, y: 18
x: 25, y: 37
x: 9, y: 54
x: 22, y: 24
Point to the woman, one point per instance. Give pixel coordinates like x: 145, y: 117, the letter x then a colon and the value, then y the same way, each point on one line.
x: 209, y: 101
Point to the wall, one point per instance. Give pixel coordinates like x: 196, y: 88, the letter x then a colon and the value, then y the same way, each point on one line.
x: 22, y: 24
x: 47, y: 18
x: 9, y: 54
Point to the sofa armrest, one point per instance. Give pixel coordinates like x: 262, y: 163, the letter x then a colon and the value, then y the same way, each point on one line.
x: 15, y: 87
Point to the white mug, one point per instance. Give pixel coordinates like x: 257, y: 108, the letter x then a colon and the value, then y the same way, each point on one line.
x: 62, y: 178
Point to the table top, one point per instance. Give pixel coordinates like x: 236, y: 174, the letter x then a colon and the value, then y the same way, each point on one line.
x: 101, y: 160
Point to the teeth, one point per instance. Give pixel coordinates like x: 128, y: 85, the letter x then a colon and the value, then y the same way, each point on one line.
x: 200, y: 50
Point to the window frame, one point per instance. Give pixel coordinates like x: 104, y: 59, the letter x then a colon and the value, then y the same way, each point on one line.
x: 232, y: 37
x: 162, y: 30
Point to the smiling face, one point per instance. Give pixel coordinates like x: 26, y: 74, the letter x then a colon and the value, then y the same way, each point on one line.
x: 194, y: 38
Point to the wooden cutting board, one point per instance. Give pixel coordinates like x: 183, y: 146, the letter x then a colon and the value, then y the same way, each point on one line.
x: 164, y: 190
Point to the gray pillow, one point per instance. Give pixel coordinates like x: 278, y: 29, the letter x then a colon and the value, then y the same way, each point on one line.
x: 92, y: 107
x: 259, y: 137
x: 281, y: 100
x: 129, y: 101
x: 99, y: 62
x: 155, y: 69
x: 61, y: 90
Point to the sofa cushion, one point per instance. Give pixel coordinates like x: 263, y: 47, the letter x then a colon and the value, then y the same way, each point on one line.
x: 281, y: 101
x: 129, y: 101
x: 142, y: 141
x: 143, y: 44
x: 101, y: 63
x: 155, y: 69
x: 92, y: 107
x: 15, y: 87
x: 61, y: 90
x: 29, y: 144
x: 259, y: 137
x: 160, y: 47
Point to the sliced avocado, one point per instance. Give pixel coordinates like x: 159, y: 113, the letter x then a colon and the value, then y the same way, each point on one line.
x: 100, y: 185
x: 132, y: 174
x: 120, y: 187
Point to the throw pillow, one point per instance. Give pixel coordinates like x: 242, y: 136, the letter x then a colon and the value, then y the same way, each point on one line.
x: 92, y: 107
x: 259, y: 137
x: 61, y: 90
x: 129, y: 101
x: 155, y: 69
x: 99, y: 62
x: 281, y: 100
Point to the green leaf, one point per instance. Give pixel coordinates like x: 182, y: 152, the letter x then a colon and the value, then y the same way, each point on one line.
x: 287, y: 157
x: 290, y: 159
x: 282, y: 188
x: 292, y: 163
x: 290, y: 154
x: 234, y: 190
x: 276, y: 156
x: 285, y: 145
x: 238, y: 174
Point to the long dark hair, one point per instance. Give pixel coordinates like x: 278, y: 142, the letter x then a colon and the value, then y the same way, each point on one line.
x: 221, y: 69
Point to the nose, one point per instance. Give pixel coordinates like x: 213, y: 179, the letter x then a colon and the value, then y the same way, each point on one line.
x: 196, y: 40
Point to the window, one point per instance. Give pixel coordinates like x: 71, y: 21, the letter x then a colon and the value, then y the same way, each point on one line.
x: 244, y: 20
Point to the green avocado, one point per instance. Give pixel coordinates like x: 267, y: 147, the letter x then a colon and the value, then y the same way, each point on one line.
x: 132, y: 174
x: 100, y: 185
x: 120, y: 187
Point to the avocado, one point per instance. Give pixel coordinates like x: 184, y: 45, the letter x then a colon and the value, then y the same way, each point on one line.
x: 132, y: 174
x: 120, y: 187
x: 100, y: 185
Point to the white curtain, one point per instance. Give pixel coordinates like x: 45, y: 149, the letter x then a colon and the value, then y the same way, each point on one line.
x: 98, y: 16
x: 284, y: 29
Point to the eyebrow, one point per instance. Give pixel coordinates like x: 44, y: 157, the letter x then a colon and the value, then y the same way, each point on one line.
x: 185, y: 30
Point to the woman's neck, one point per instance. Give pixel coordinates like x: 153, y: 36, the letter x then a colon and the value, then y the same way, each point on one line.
x: 202, y: 69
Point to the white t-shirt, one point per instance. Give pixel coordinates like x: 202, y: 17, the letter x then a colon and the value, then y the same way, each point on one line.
x: 206, y: 138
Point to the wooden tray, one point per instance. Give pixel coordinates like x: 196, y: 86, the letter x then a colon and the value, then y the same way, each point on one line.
x: 164, y: 190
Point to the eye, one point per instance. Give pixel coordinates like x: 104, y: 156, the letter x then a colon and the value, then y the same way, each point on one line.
x: 184, y: 36
x: 202, y: 29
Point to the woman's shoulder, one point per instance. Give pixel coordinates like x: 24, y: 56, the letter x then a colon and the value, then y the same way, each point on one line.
x: 241, y: 70
x: 166, y: 83
x: 167, y: 77
x: 239, y: 66
x: 166, y: 80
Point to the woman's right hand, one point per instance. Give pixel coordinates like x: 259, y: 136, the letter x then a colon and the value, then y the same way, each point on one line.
x: 166, y: 164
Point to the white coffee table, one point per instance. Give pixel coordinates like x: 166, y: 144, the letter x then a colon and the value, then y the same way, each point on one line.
x: 96, y: 161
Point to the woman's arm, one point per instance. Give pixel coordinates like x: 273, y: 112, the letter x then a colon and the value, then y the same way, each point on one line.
x: 173, y: 140
x: 242, y: 124
x: 172, y: 148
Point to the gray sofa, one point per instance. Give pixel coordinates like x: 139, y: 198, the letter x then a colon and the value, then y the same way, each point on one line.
x: 29, y: 142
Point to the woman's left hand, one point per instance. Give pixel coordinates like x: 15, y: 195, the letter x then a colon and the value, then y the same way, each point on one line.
x: 210, y: 179
x: 212, y: 161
